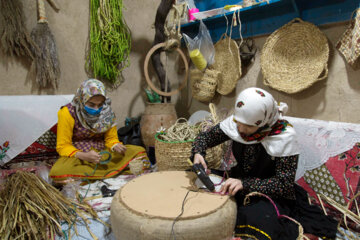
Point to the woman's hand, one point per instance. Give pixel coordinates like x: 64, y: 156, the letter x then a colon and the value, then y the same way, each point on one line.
x: 91, y: 156
x: 231, y: 186
x: 119, y: 148
x: 200, y: 159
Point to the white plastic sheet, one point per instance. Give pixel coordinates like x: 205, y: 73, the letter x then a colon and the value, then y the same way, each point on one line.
x: 23, y: 119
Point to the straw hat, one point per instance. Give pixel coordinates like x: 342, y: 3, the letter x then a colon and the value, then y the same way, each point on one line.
x: 294, y: 57
x: 227, y: 61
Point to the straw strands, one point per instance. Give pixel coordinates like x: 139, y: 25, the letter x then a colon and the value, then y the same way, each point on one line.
x: 173, y: 147
x: 33, y: 209
x: 182, y: 131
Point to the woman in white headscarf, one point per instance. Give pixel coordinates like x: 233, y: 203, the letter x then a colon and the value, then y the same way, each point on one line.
x: 265, y: 148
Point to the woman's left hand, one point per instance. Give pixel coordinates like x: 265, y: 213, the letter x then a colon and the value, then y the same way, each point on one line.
x: 119, y: 148
x: 231, y: 186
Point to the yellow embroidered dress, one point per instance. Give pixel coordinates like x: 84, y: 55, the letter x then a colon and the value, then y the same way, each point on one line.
x: 79, y: 131
x: 73, y: 137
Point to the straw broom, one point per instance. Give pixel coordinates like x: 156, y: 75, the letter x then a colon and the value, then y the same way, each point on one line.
x: 46, y: 63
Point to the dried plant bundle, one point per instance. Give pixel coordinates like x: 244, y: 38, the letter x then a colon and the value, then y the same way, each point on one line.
x: 15, y: 39
x: 33, y: 209
x: 46, y: 63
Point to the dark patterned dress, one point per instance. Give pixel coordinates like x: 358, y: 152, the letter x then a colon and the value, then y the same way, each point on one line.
x: 274, y: 177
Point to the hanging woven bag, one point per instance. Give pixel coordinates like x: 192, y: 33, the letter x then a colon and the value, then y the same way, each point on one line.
x: 349, y: 43
x: 227, y: 61
x: 203, y: 85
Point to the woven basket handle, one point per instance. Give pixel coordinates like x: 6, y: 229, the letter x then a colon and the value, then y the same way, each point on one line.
x: 213, y: 112
x: 41, y: 11
x: 296, y: 20
x: 223, y: 36
x: 324, y: 74
x: 146, y: 71
x: 266, y: 82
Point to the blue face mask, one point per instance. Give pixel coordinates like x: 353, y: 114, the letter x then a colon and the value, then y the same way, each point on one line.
x: 93, y: 111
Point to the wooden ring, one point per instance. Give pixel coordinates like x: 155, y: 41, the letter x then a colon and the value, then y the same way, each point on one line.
x: 146, y: 65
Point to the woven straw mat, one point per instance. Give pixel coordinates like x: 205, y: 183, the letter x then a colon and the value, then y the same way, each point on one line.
x: 294, y: 57
x: 227, y: 61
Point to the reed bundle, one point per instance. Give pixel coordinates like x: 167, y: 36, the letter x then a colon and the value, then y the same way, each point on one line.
x: 33, y: 209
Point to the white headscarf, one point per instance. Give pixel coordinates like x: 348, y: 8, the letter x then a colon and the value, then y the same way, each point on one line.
x: 256, y: 107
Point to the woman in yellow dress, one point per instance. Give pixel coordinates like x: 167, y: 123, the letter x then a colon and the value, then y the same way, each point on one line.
x: 87, y: 134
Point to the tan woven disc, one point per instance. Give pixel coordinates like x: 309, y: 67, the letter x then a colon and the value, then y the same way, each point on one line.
x: 294, y: 57
x: 160, y: 195
x: 227, y: 61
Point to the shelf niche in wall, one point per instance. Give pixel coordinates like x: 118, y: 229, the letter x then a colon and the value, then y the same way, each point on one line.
x: 266, y: 17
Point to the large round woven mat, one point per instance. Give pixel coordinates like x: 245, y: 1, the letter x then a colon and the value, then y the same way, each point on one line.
x: 160, y: 195
x: 294, y: 57
x: 147, y: 208
x: 227, y: 61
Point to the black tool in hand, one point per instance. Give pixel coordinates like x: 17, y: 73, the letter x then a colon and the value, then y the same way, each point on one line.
x: 201, y: 174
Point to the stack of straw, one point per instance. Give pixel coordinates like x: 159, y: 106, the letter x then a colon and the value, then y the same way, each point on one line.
x: 33, y: 209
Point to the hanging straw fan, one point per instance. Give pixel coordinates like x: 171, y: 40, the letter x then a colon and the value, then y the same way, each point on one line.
x: 227, y: 61
x: 294, y: 57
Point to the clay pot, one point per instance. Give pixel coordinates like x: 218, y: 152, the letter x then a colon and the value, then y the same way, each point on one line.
x: 156, y: 115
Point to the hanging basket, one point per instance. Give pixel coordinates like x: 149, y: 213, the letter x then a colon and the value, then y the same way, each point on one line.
x: 173, y: 155
x: 294, y: 57
x: 227, y: 61
x: 203, y: 85
x: 349, y: 43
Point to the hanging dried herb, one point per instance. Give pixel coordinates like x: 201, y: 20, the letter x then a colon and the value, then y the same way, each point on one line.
x: 15, y: 39
x: 110, y: 40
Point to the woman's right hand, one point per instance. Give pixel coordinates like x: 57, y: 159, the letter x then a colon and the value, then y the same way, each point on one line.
x: 91, y: 156
x: 200, y: 159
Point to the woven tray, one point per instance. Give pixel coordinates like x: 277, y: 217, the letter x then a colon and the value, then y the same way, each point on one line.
x: 174, y: 155
x: 294, y: 57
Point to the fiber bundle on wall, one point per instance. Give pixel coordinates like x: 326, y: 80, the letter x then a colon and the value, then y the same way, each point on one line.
x: 15, y: 39
x: 110, y: 40
x: 46, y: 63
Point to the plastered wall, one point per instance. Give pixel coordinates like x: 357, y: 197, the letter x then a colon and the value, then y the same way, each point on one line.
x: 337, y: 98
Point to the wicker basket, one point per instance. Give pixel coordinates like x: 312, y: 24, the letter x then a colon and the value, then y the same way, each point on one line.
x: 227, y: 61
x: 174, y: 155
x: 294, y: 57
x: 203, y: 85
